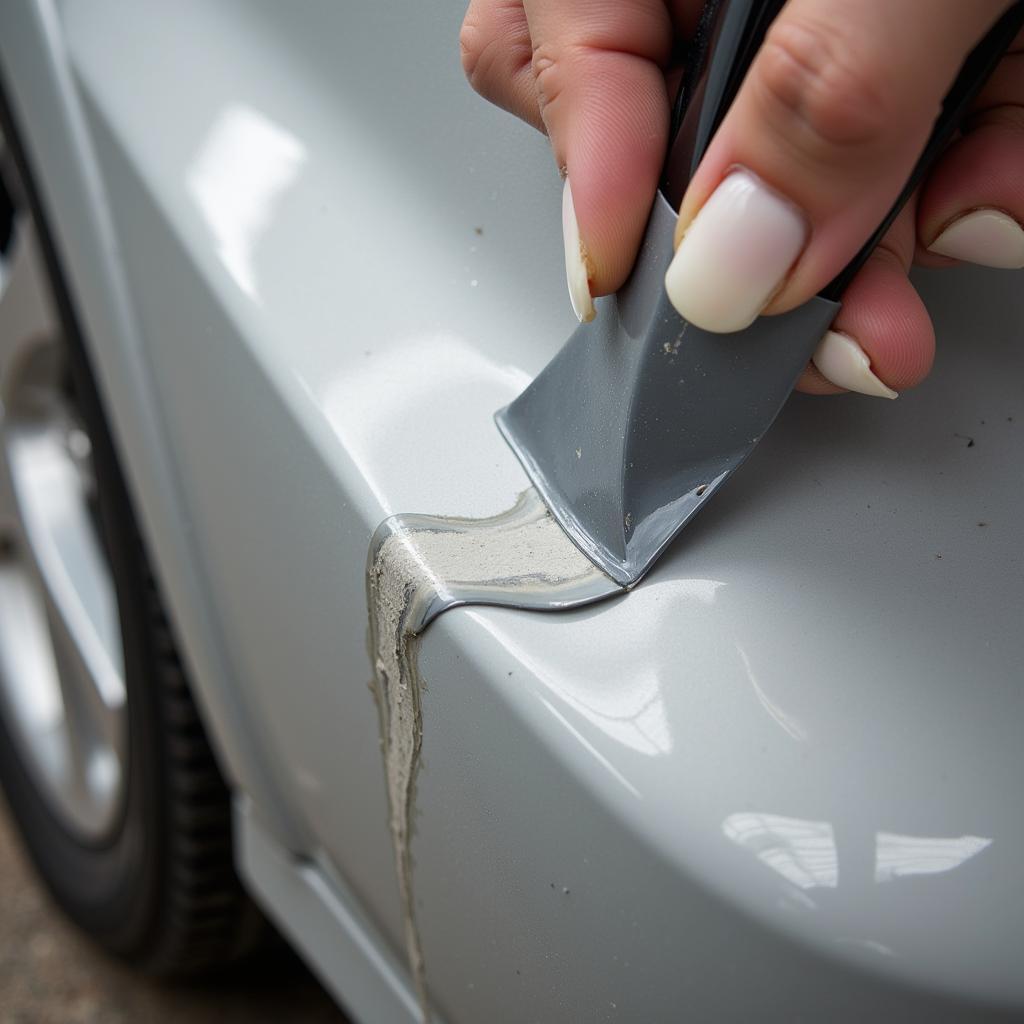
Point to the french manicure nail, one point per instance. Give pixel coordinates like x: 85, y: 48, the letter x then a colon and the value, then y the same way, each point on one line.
x: 845, y: 363
x: 986, y: 236
x: 575, y: 261
x: 735, y: 254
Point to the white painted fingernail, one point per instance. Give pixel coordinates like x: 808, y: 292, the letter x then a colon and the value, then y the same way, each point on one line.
x: 735, y: 254
x: 575, y: 261
x: 846, y: 364
x: 989, y: 237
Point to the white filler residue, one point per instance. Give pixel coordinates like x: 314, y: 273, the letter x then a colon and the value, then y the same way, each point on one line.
x: 418, y: 567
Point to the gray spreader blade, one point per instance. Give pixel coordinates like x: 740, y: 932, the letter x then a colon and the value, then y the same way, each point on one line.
x: 641, y: 416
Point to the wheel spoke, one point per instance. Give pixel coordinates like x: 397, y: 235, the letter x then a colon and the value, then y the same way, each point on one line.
x: 62, y: 543
x: 62, y: 685
x: 26, y: 320
x: 98, y: 711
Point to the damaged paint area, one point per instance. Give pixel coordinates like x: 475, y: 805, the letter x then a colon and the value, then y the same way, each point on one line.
x: 418, y: 567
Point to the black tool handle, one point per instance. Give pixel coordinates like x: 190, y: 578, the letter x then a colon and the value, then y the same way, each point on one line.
x: 728, y: 38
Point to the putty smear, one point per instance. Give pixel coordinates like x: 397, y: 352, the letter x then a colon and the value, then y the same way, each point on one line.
x: 418, y: 567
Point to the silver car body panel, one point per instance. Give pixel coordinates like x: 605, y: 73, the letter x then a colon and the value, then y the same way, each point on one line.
x: 780, y: 777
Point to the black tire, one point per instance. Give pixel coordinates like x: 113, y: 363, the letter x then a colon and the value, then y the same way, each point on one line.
x: 160, y: 889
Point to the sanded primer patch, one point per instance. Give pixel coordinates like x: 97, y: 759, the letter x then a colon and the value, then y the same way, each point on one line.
x: 418, y: 567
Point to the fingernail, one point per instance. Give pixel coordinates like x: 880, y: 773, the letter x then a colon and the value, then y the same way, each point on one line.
x: 735, y: 254
x: 989, y: 237
x: 845, y: 363
x: 575, y: 261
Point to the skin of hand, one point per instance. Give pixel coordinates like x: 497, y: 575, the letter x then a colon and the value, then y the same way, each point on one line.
x: 830, y: 119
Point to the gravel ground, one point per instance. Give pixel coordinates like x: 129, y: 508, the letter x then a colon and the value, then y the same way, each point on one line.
x: 49, y: 974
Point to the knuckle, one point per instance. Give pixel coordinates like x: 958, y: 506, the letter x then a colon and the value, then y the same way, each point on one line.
x: 494, y: 44
x: 825, y: 93
x: 548, y: 64
x: 896, y: 255
x: 472, y: 46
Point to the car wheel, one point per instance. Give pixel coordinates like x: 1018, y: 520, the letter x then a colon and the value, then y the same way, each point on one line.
x: 103, y: 759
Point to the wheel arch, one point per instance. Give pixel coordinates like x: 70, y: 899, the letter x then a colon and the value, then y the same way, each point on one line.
x: 38, y: 90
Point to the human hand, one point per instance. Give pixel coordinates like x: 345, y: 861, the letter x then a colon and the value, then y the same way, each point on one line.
x: 833, y: 114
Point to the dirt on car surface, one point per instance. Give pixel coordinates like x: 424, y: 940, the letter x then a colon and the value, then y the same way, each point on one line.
x: 49, y: 974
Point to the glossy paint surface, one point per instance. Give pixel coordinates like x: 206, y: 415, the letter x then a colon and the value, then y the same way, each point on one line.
x: 782, y: 773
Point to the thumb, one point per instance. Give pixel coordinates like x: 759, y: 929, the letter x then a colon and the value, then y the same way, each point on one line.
x: 834, y: 112
x: 599, y: 75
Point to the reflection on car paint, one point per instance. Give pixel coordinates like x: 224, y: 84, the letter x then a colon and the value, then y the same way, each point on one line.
x: 420, y: 566
x: 789, y: 723
x: 899, y: 856
x: 244, y: 165
x: 629, y: 704
x: 374, y: 404
x: 805, y: 853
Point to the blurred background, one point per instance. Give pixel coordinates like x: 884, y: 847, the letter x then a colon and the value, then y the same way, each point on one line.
x: 49, y: 973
